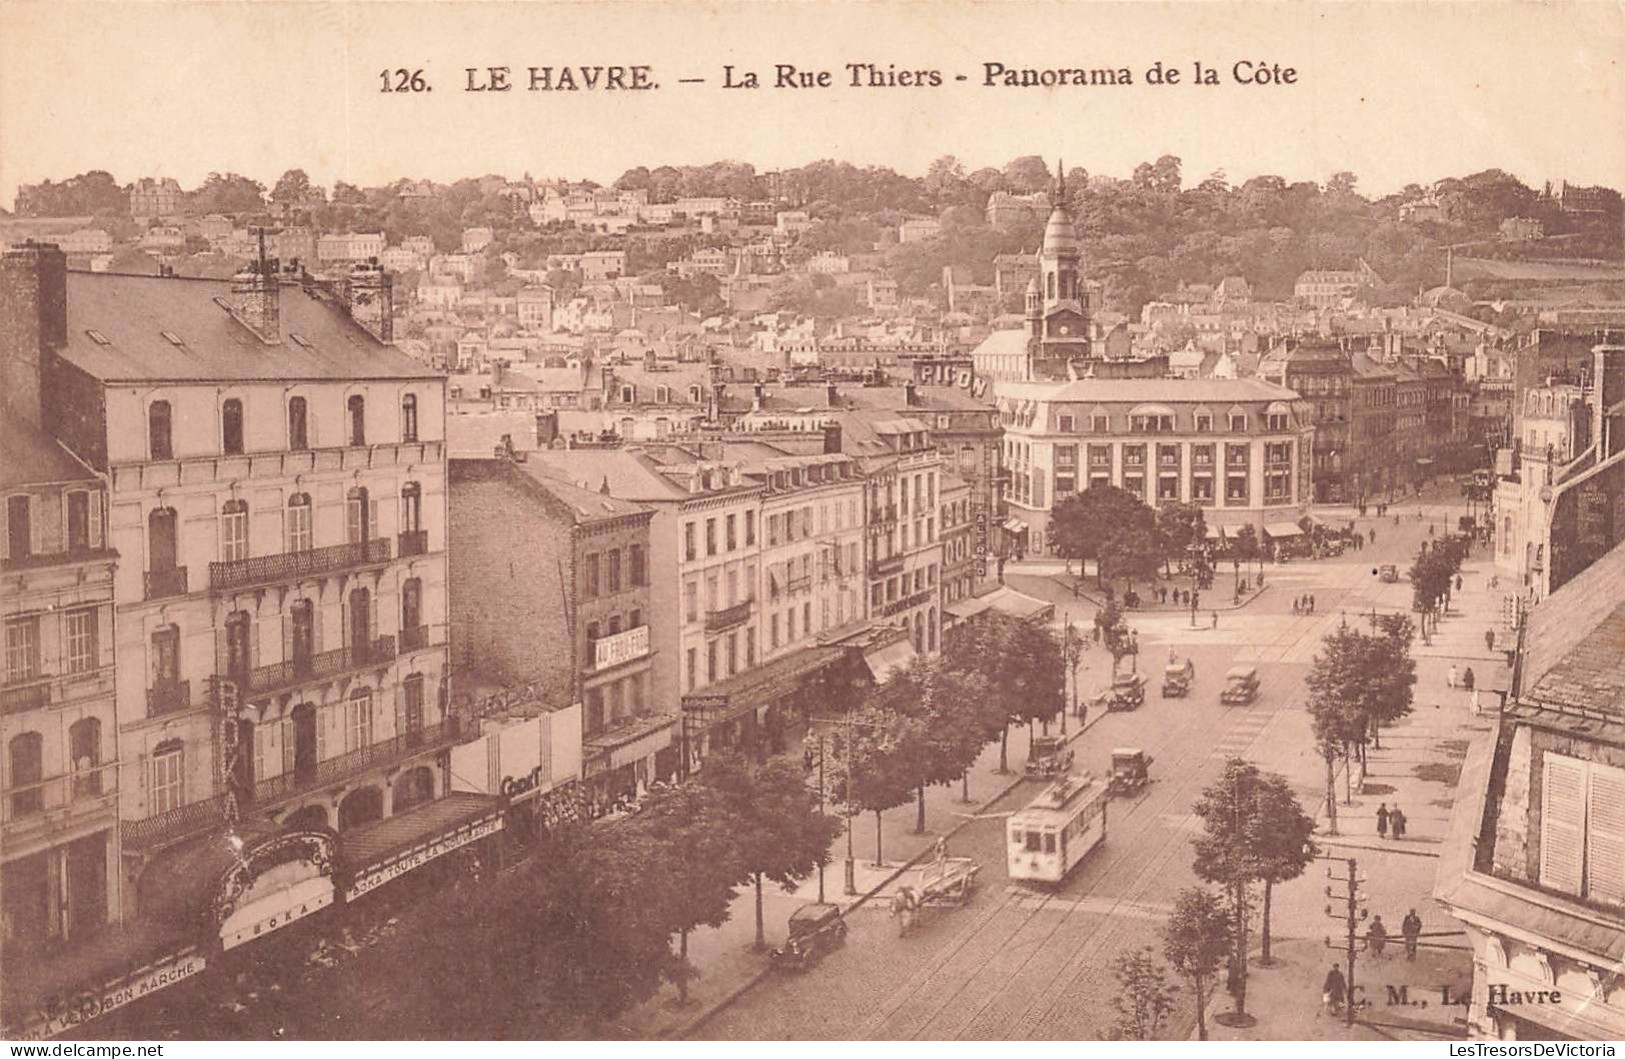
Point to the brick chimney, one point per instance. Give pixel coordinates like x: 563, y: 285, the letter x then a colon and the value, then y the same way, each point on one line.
x: 911, y: 395
x: 369, y: 294
x: 832, y: 396
x: 832, y: 439
x: 256, y: 300
x: 1608, y: 382
x: 33, y: 321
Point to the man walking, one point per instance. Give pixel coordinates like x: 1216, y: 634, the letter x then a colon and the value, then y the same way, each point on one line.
x: 1452, y: 678
x: 1467, y: 678
x: 1382, y: 820
x: 1215, y: 619
x: 1377, y: 936
x: 1411, y: 928
x: 1489, y: 639
x: 1396, y: 819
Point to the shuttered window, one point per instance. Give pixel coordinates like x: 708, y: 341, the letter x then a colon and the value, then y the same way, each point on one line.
x: 1605, y: 834
x: 1562, y: 823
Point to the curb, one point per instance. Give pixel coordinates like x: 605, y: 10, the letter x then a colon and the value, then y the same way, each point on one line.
x: 732, y: 996
x: 1093, y: 602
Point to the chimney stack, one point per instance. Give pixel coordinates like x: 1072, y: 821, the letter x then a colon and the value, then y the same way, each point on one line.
x: 547, y: 429
x: 1608, y: 390
x: 33, y: 321
x: 256, y: 299
x: 911, y: 395
x: 369, y: 295
x: 832, y: 439
x: 832, y: 395
x: 759, y: 398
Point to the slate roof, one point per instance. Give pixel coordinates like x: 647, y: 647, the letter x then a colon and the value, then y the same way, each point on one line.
x: 586, y: 505
x: 631, y: 476
x: 133, y: 312
x: 1163, y: 390
x: 33, y: 457
x: 1574, y: 644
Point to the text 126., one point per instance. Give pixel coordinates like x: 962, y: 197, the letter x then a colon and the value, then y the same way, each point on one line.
x: 404, y: 80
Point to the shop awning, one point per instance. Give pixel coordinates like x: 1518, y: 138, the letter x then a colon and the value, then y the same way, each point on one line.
x: 886, y: 661
x: 1004, y: 599
x: 389, y: 848
x: 1283, y: 529
x: 1215, y: 533
x: 1014, y: 525
x: 762, y: 686
x: 632, y: 741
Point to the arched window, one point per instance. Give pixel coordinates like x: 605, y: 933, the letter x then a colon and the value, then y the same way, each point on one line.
x: 234, y: 531
x: 298, y: 424
x: 357, y: 407
x: 361, y: 806
x: 162, y: 552
x: 231, y: 426
x: 414, y: 787
x: 159, y: 441
x: 85, y: 751
x: 411, y: 508
x: 360, y: 515
x: 358, y: 720
x: 298, y: 523
x: 409, y: 417
x: 26, y: 756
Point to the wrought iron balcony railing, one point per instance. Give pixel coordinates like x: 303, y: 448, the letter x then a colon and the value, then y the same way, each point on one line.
x: 727, y: 617
x: 269, y: 569
x: 302, y: 669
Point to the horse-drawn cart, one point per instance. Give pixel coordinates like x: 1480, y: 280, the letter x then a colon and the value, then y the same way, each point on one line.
x: 945, y: 882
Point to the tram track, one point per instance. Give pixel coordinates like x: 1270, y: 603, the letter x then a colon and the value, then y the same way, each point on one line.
x: 1076, y: 966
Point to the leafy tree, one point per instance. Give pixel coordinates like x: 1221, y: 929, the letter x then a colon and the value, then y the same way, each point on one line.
x: 874, y: 762
x: 1228, y: 851
x: 951, y: 704
x: 1337, y: 682
x: 1283, y: 836
x: 229, y: 193
x: 1108, y: 525
x: 1027, y: 174
x: 698, y: 863
x: 782, y: 836
x: 1196, y: 941
x: 1179, y: 526
x: 1144, y: 997
x: 1021, y: 666
x: 1393, y: 673
x: 291, y: 187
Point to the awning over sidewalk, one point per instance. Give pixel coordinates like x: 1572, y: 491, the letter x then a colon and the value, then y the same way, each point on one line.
x: 1215, y: 533
x: 631, y: 741
x: 1014, y: 525
x: 1283, y: 529
x: 389, y: 848
x: 759, y: 687
x: 887, y: 660
x: 1005, y: 599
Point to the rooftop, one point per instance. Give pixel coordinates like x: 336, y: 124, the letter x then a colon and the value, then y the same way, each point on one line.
x: 34, y: 457
x: 1164, y: 390
x: 117, y: 327
x: 1574, y: 644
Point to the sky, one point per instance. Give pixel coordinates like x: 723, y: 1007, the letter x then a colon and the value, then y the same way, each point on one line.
x: 1397, y: 92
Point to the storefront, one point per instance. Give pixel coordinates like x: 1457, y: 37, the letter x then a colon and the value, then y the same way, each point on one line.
x: 383, y: 851
x: 763, y: 709
x: 275, y: 882
x: 619, y: 764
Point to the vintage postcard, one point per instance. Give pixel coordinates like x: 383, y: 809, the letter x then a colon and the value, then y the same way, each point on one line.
x: 820, y: 520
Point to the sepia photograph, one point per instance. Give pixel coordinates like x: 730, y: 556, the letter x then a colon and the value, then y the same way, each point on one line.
x: 613, y: 521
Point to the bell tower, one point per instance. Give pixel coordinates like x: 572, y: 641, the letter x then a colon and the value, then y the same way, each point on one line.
x: 1060, y: 259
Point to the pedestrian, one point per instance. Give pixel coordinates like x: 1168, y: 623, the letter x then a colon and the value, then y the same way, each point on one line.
x: 1458, y: 582
x: 1196, y: 600
x: 1311, y: 602
x: 1477, y: 709
x: 1411, y: 928
x: 1467, y: 678
x: 1377, y: 936
x: 1397, y: 819
x: 1331, y: 991
x: 1382, y: 820
x: 1452, y: 678
x: 1489, y: 639
x: 1372, y: 534
x: 1295, y: 601
x: 1430, y: 529
x: 1215, y: 619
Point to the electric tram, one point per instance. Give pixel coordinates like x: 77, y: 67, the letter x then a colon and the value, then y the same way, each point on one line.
x: 1058, y: 829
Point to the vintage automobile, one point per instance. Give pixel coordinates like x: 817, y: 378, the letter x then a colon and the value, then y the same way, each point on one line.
x: 1389, y: 573
x: 1131, y: 770
x: 1177, y: 678
x: 814, y: 930
x: 1240, y: 686
x: 1050, y: 756
x: 1127, y: 692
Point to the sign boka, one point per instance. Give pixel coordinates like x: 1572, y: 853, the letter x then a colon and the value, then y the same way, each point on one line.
x: 275, y: 883
x: 422, y: 854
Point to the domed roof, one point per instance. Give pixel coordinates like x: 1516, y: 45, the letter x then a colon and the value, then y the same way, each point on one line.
x: 1059, y: 235
x: 1445, y: 298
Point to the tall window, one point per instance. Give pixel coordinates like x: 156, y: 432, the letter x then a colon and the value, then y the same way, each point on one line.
x: 167, y: 781
x: 1582, y: 828
x: 162, y: 546
x: 636, y: 573
x: 158, y: 431
x: 613, y: 571
x: 299, y: 531
x: 750, y: 528
x: 231, y: 426
x: 411, y: 507
x: 298, y: 424
x: 85, y: 754
x: 409, y: 417
x: 358, y: 720
x: 27, y: 754
x: 22, y: 649
x: 590, y: 575
x: 710, y: 536
x: 689, y: 551
x: 234, y: 531
x: 166, y: 655
x: 79, y: 521
x: 357, y: 407
x: 81, y: 653
x: 360, y: 520
x: 411, y: 605
x: 19, y: 527
x: 732, y: 532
